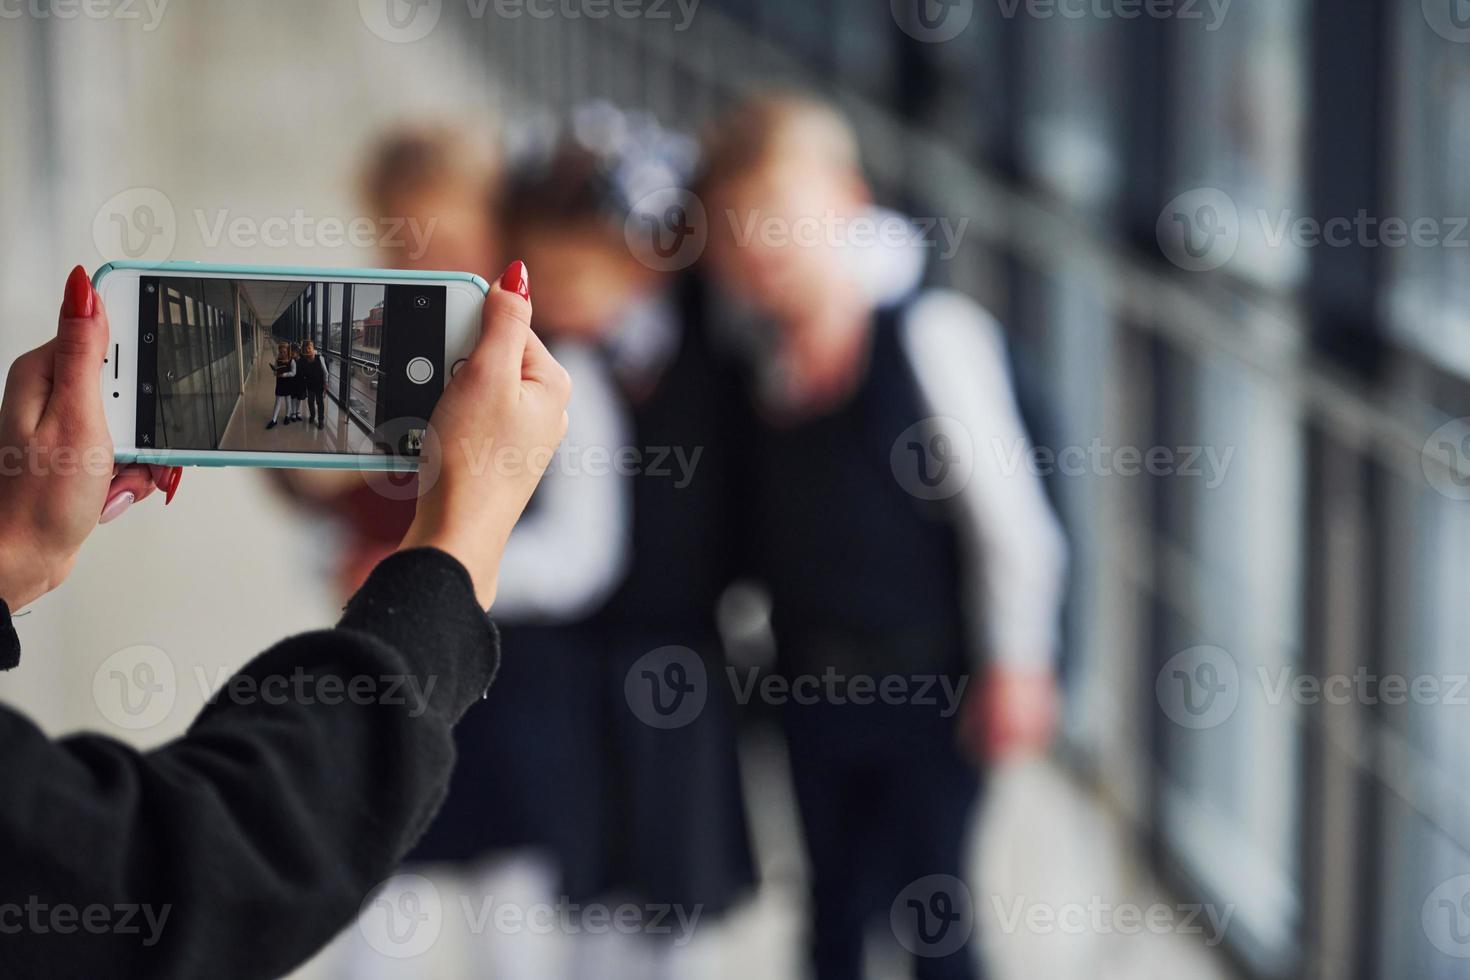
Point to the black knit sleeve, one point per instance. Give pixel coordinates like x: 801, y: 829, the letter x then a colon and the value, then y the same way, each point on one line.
x: 9, y: 642
x: 241, y: 848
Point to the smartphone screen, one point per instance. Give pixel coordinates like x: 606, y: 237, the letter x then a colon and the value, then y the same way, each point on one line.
x: 283, y: 366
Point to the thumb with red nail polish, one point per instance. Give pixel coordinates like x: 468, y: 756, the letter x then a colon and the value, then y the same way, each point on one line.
x: 53, y: 415
x: 516, y: 279
x: 78, y: 301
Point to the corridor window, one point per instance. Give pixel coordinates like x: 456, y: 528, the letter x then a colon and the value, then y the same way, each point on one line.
x: 1239, y: 87
x: 1429, y: 283
x: 335, y: 318
x: 1103, y: 515
x: 1072, y: 108
x: 367, y: 341
x: 1418, y: 741
x: 1228, y: 580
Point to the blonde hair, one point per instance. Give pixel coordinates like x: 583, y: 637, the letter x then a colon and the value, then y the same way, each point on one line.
x: 766, y: 126
x: 414, y: 160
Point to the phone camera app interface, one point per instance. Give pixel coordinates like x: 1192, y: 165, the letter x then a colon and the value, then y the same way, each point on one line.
x: 254, y: 365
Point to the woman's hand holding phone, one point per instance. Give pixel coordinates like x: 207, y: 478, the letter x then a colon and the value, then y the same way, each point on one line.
x: 496, y: 425
x: 57, y: 478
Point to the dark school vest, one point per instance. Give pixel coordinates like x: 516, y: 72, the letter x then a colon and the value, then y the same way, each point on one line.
x: 863, y: 575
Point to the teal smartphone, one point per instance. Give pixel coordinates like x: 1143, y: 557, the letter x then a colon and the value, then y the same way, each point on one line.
x: 213, y: 365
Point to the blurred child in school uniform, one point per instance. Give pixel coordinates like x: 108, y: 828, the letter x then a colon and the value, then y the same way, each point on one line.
x: 900, y: 553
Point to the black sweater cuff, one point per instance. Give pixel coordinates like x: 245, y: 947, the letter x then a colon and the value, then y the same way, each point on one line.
x: 422, y: 603
x: 9, y: 642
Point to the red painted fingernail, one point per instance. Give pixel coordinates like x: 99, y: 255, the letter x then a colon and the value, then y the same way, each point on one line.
x: 517, y: 279
x: 78, y: 302
x: 175, y: 474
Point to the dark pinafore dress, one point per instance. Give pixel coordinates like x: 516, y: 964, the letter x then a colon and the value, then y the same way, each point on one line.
x: 562, y: 757
x: 284, y: 385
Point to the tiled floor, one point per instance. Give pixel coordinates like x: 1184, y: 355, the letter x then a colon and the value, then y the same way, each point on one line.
x: 247, y: 431
x: 1055, y: 894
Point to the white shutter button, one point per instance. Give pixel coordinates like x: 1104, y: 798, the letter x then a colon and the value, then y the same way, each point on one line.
x: 420, y: 370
